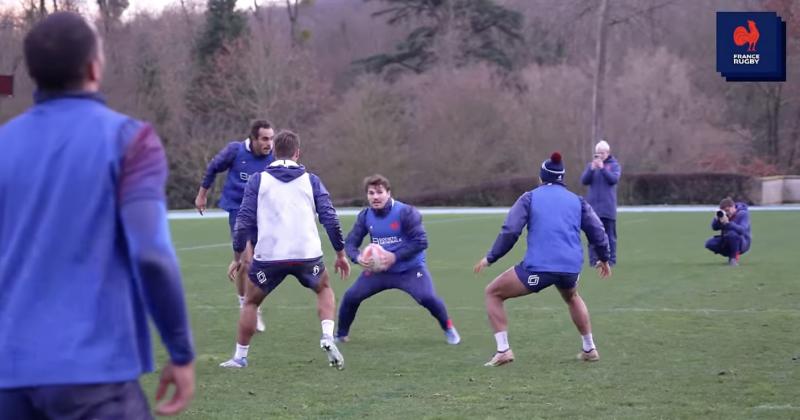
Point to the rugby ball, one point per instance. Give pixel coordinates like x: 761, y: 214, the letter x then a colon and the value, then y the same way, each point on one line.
x: 372, y: 254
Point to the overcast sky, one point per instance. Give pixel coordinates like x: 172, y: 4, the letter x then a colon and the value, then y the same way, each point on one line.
x: 138, y: 5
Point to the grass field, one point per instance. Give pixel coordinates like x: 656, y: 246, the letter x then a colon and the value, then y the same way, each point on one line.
x: 681, y: 335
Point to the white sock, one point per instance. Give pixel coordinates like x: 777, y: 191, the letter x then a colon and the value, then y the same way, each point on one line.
x: 327, y: 327
x: 588, y: 343
x: 241, y: 351
x: 502, y: 341
x: 241, y: 301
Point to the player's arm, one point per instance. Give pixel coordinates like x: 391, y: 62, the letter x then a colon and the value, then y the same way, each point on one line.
x: 516, y: 220
x: 356, y: 236
x: 220, y: 163
x: 143, y: 217
x: 416, y: 238
x: 716, y: 224
x: 612, y: 173
x: 246, y: 222
x: 595, y: 233
x: 330, y: 220
x: 327, y: 213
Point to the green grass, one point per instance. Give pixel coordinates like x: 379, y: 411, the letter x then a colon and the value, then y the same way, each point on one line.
x: 681, y: 335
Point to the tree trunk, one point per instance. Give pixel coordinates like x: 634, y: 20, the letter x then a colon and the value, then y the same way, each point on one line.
x: 292, y: 10
x: 600, y: 68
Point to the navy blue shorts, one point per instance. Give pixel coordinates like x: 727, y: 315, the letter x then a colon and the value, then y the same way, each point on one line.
x: 537, y: 281
x: 123, y: 400
x: 268, y: 275
x: 232, y: 223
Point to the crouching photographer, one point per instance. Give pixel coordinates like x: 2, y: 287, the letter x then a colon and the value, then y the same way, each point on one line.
x: 733, y: 220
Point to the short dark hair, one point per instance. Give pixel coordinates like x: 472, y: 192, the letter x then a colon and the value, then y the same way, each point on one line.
x: 58, y: 49
x: 376, y: 180
x: 287, y: 144
x: 258, y: 125
x: 726, y: 202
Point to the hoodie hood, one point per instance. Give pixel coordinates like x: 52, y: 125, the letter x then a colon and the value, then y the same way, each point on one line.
x: 285, y: 170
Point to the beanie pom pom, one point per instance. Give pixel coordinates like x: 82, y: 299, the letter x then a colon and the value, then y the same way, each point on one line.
x: 555, y: 157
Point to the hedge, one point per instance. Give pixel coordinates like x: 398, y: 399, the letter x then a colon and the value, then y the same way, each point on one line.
x: 634, y: 189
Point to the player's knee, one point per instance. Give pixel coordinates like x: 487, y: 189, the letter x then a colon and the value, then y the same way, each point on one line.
x: 569, y: 295
x: 491, y: 290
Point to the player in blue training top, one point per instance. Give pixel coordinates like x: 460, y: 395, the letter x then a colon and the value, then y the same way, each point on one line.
x: 397, y: 227
x: 85, y: 251
x: 241, y: 159
x: 280, y: 208
x: 554, y: 216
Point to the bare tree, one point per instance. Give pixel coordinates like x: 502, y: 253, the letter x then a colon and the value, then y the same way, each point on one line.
x: 599, y: 74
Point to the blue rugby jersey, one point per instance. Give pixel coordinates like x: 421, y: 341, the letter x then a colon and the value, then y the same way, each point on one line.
x: 397, y: 228
x: 85, y: 253
x: 240, y: 162
x: 554, y: 216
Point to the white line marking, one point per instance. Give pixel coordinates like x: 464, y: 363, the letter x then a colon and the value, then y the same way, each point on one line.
x: 217, y: 214
x: 701, y: 311
x: 191, y: 248
x: 776, y: 407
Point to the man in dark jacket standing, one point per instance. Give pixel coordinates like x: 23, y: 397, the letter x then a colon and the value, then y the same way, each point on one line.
x: 602, y: 175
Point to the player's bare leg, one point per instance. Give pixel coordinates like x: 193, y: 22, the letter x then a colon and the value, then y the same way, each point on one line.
x: 247, y: 326
x: 580, y: 317
x: 505, y: 286
x: 326, y: 305
x: 242, y: 280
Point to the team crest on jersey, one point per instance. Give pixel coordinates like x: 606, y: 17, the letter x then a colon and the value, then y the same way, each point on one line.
x: 395, y: 225
x: 262, y: 278
x: 533, y: 280
x: 315, y: 271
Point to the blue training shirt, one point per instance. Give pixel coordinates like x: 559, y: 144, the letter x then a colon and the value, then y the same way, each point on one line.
x: 554, y: 216
x: 240, y: 162
x: 85, y: 253
x: 397, y: 228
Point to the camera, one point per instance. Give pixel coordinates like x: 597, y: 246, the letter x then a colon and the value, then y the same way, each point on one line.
x: 720, y: 214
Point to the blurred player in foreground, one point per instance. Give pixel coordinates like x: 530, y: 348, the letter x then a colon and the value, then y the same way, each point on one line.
x: 85, y: 252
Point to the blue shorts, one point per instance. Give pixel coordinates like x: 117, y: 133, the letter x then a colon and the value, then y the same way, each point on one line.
x: 232, y: 214
x: 537, y: 281
x: 123, y: 400
x: 268, y: 275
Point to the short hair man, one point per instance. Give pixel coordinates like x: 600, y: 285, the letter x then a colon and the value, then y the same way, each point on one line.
x: 280, y: 208
x: 397, y: 227
x: 554, y: 255
x: 602, y: 175
x: 733, y: 222
x: 86, y: 253
x: 241, y: 159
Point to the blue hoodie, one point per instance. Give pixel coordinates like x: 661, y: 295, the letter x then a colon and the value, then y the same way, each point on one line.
x: 554, y: 216
x: 247, y: 223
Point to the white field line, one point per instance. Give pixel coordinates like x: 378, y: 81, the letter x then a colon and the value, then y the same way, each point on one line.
x: 215, y: 214
x: 437, y: 221
x: 698, y: 311
x: 777, y: 407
